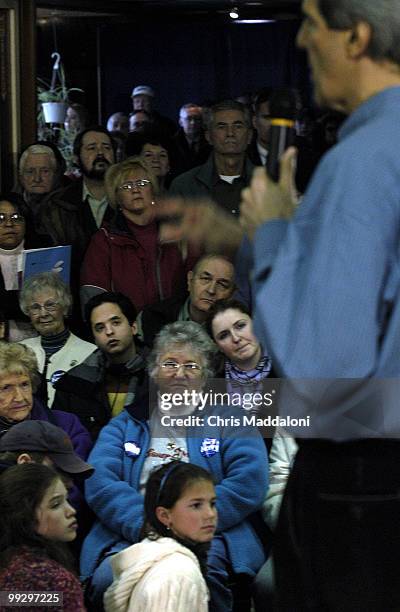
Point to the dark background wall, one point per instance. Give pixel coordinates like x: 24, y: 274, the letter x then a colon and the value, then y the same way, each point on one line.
x: 198, y: 62
x: 183, y: 61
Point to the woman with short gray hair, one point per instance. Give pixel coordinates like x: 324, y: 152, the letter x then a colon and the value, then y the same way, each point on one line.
x: 183, y: 334
x: 43, y: 282
x: 136, y: 442
x: 47, y: 300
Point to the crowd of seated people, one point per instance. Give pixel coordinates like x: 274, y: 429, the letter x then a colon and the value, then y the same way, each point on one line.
x: 169, y: 517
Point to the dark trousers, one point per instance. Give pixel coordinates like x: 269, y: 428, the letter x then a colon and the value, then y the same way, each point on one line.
x: 337, y: 543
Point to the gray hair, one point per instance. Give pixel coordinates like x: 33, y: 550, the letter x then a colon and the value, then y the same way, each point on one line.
x: 183, y: 334
x: 209, y: 256
x: 16, y: 358
x: 37, y: 149
x: 382, y: 15
x: 42, y: 282
x: 189, y: 105
x: 226, y: 105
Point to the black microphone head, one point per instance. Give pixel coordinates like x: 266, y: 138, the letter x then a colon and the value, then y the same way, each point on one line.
x: 284, y: 104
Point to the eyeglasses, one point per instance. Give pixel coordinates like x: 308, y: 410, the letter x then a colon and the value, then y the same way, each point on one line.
x: 130, y: 185
x: 221, y: 284
x: 191, y: 367
x: 49, y: 306
x: 14, y: 218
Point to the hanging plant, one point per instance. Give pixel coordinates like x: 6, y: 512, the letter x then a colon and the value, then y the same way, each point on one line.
x: 54, y: 93
x: 53, y: 101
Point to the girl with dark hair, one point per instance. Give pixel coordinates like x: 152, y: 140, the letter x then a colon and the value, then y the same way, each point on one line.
x: 36, y: 523
x: 180, y: 521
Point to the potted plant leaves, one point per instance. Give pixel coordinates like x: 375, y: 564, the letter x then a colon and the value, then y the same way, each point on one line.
x: 54, y: 96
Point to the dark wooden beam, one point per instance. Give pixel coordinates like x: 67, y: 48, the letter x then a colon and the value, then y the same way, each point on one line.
x: 27, y: 13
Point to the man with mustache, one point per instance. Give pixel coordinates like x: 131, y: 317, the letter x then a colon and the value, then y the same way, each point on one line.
x: 73, y: 214
x: 228, y: 169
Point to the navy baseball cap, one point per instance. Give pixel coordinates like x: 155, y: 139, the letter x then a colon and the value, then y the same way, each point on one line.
x: 44, y: 437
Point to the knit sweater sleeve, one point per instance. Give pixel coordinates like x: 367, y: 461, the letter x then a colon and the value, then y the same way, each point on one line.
x: 28, y: 572
x: 170, y: 594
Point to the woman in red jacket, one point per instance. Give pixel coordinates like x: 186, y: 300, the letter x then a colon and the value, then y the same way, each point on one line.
x: 127, y: 255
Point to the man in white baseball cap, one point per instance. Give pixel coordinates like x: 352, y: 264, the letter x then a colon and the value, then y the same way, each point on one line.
x: 143, y: 100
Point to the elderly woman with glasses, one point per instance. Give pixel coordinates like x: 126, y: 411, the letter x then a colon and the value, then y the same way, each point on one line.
x: 127, y: 255
x: 47, y: 300
x: 136, y: 442
x: 16, y: 234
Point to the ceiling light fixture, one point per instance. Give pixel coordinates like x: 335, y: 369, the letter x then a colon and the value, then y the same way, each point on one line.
x: 234, y: 13
x: 255, y: 21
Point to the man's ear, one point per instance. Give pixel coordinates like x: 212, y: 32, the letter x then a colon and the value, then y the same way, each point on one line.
x: 163, y: 515
x: 75, y: 159
x: 359, y: 38
x: 189, y: 279
x: 24, y: 458
x: 134, y: 328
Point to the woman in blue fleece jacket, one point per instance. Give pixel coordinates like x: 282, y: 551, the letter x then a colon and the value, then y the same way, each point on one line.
x: 133, y: 443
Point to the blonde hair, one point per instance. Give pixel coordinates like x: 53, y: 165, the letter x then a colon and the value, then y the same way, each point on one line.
x: 17, y: 358
x: 117, y: 173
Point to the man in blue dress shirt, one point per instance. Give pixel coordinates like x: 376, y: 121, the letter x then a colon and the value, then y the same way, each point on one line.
x: 326, y: 287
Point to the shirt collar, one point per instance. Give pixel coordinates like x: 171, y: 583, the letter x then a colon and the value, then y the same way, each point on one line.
x: 89, y: 196
x: 368, y: 109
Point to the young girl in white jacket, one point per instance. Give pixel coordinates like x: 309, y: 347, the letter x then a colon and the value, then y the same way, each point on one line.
x: 166, y: 570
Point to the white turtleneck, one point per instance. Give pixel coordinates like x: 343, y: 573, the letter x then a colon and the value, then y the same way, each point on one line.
x: 11, y: 265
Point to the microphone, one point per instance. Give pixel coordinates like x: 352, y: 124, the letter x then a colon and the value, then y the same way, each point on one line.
x: 283, y: 107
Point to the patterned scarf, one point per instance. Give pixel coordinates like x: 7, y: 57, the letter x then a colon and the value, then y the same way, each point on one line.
x: 250, y: 381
